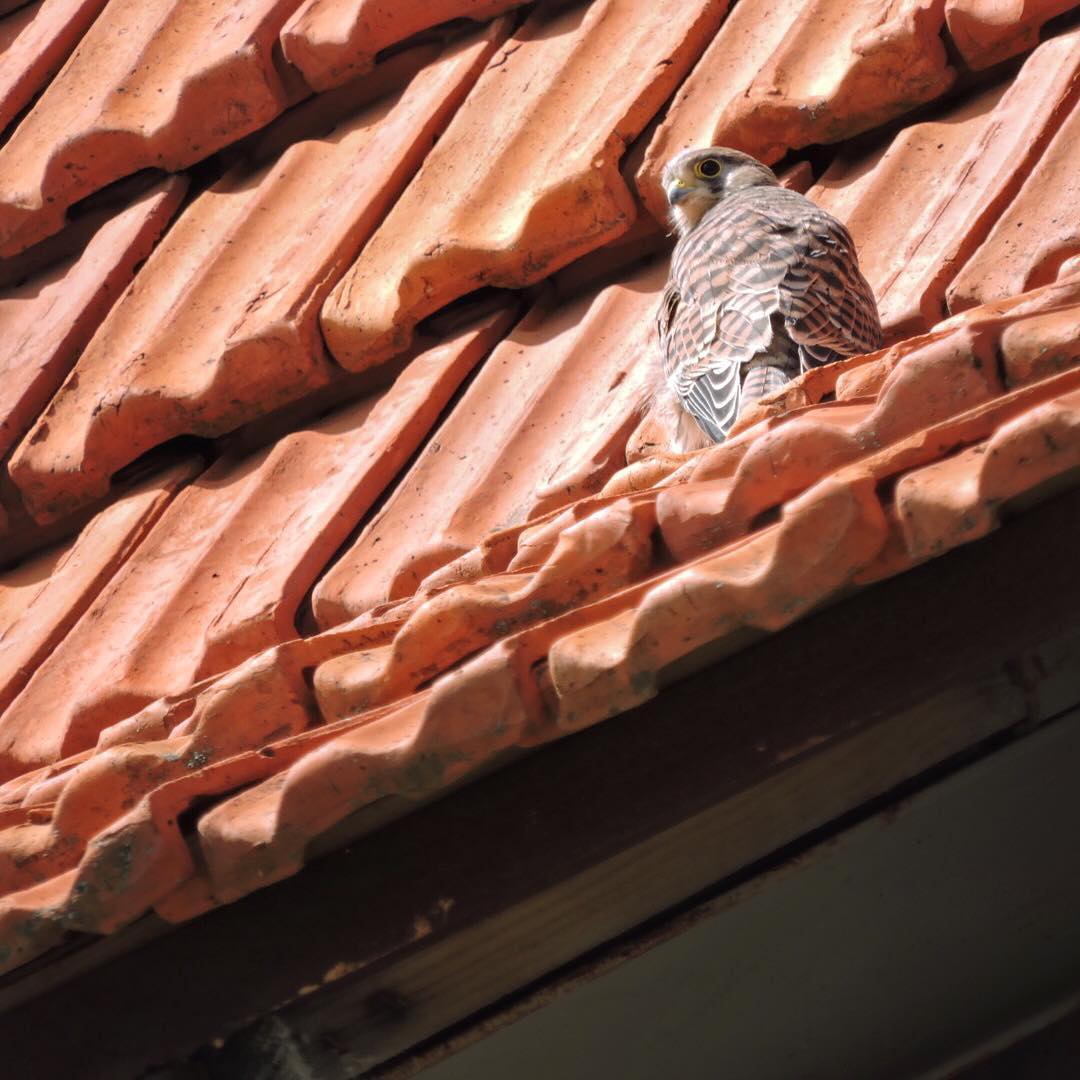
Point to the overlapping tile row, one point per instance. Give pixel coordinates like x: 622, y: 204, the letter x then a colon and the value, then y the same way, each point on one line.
x: 47, y: 320
x: 546, y: 420
x: 221, y: 325
x: 780, y: 76
x: 153, y: 83
x: 564, y: 621
x: 333, y: 41
x: 186, y: 745
x: 43, y: 597
x: 34, y: 42
x: 249, y: 643
x: 919, y: 207
x: 988, y: 31
x: 246, y: 268
x: 1039, y: 230
x: 1027, y: 338
x: 508, y: 201
x: 229, y: 562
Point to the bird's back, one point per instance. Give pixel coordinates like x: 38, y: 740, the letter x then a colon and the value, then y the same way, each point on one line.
x: 766, y: 281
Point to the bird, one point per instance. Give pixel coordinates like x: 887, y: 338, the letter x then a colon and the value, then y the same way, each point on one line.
x: 763, y: 285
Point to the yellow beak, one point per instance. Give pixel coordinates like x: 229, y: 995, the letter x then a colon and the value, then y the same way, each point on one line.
x: 677, y: 190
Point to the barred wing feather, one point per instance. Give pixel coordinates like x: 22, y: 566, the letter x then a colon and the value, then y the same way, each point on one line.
x: 765, y: 286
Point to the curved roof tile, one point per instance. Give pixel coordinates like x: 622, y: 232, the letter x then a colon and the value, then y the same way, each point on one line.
x: 368, y: 579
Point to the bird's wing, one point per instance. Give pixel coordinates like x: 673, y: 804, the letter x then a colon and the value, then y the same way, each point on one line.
x: 769, y: 278
x: 827, y: 305
x: 725, y: 278
x: 669, y: 308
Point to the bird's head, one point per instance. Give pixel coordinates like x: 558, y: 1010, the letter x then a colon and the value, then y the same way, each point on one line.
x: 696, y: 180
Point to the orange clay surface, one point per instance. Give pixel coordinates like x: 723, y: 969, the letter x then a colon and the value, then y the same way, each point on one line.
x: 152, y: 83
x: 34, y: 42
x: 327, y: 466
x: 332, y: 41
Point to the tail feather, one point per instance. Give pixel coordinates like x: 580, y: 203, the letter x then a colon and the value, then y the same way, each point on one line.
x: 766, y: 374
x: 761, y: 380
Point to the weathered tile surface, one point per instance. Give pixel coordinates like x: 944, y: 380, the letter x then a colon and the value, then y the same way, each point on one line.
x: 552, y: 409
x: 508, y: 203
x: 42, y: 597
x: 332, y: 41
x: 985, y: 147
x: 47, y: 321
x: 153, y: 83
x: 988, y: 31
x: 780, y: 76
x: 34, y: 42
x: 1039, y: 231
x: 221, y: 325
x: 496, y: 549
x: 229, y: 562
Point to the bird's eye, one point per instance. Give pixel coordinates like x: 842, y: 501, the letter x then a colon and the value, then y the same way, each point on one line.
x: 707, y: 168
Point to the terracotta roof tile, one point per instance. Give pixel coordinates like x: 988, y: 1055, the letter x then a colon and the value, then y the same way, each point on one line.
x: 986, y: 147
x: 28, y: 919
x: 12, y: 25
x: 229, y: 562
x: 34, y: 42
x: 206, y: 741
x: 826, y: 535
x: 142, y: 89
x: 47, y: 320
x: 332, y: 41
x: 962, y: 498
x: 1040, y: 229
x: 508, y: 203
x: 262, y: 837
x: 590, y: 560
x: 41, y: 598
x: 926, y: 386
x: 988, y: 31
x: 882, y: 198
x: 780, y: 76
x: 527, y: 560
x: 490, y: 703
x: 749, y: 36
x: 1036, y: 348
x: 563, y: 367
x: 221, y: 326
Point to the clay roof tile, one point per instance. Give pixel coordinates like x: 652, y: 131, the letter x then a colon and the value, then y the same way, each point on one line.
x: 988, y: 31
x: 1039, y: 232
x: 785, y: 75
x: 332, y: 41
x: 141, y: 90
x: 221, y: 326
x: 510, y: 202
x: 377, y: 578
x: 47, y: 320
x: 555, y: 401
x: 34, y: 42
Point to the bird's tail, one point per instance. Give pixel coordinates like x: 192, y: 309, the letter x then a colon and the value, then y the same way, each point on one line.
x: 764, y: 374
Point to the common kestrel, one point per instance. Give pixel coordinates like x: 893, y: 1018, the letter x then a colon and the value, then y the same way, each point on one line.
x: 763, y: 285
